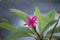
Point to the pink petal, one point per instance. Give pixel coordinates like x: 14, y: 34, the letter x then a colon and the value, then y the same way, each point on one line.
x: 31, y: 22
x: 35, y: 24
x: 28, y: 19
x: 58, y: 11
x: 27, y: 25
x: 34, y: 18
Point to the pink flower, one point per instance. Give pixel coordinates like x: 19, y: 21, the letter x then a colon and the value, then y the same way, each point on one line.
x: 31, y: 22
x: 58, y: 11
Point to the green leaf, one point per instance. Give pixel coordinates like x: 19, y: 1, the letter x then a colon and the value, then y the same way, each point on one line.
x: 50, y: 19
x: 53, y: 37
x: 51, y: 14
x: 5, y: 24
x: 20, y: 14
x: 44, y: 21
x: 23, y: 32
x: 39, y: 18
x: 49, y: 24
x: 25, y: 29
x: 4, y: 20
x: 46, y: 38
x: 19, y: 31
x: 57, y: 30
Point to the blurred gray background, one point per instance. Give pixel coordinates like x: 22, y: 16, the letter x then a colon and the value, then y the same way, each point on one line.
x: 27, y: 6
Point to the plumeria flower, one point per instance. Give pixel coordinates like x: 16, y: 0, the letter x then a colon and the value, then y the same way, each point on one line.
x: 58, y: 11
x: 31, y: 22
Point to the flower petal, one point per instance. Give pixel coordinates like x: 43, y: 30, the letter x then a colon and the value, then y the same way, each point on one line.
x: 34, y: 18
x: 28, y: 18
x: 31, y: 22
x: 35, y: 24
x: 58, y: 11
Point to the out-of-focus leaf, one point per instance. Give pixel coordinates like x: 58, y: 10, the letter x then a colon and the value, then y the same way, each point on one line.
x: 23, y: 32
x: 46, y: 38
x: 49, y: 24
x: 57, y: 30
x: 50, y: 19
x: 19, y: 31
x: 51, y: 14
x: 7, y: 26
x: 4, y: 20
x: 39, y: 18
x: 44, y: 21
x: 20, y: 14
x: 54, y: 37
x: 25, y: 29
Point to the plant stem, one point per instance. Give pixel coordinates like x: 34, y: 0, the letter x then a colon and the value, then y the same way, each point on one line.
x: 54, y: 28
x: 39, y: 37
x: 36, y: 31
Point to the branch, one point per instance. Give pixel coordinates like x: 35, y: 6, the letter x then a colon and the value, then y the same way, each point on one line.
x: 39, y: 37
x: 54, y: 29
